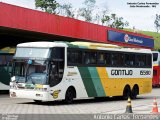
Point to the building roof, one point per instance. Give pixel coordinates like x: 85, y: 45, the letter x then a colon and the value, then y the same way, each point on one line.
x: 23, y: 19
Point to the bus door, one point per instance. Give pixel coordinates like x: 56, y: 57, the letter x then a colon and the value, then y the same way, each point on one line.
x: 56, y: 68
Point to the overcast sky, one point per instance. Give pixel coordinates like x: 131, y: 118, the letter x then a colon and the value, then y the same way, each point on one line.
x: 141, y: 18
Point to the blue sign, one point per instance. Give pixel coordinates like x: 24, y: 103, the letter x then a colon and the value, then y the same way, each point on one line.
x: 130, y: 39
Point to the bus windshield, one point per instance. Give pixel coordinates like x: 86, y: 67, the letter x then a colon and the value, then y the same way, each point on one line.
x: 35, y: 73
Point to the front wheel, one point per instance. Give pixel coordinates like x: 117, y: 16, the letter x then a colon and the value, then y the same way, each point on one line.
x: 69, y: 96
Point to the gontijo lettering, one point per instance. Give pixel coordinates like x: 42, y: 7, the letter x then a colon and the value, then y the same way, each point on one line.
x: 121, y: 72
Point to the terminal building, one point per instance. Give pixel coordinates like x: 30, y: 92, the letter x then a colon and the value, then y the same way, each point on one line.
x: 19, y: 25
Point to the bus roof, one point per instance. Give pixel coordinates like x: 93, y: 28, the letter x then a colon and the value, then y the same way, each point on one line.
x: 101, y: 46
x: 87, y: 45
x: 42, y: 44
x: 7, y: 50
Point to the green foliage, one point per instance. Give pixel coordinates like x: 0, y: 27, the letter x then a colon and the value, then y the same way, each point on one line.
x: 86, y: 12
x: 90, y: 3
x: 49, y: 6
x: 157, y: 22
x: 67, y: 10
x: 114, y: 21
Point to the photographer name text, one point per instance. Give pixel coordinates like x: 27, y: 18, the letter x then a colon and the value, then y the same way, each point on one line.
x: 142, y: 4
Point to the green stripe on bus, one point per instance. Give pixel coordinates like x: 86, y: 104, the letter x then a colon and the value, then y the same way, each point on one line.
x: 96, y: 81
x: 87, y: 80
x: 73, y: 46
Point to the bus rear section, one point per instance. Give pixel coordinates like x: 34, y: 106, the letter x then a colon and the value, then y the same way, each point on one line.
x: 6, y: 55
x: 156, y: 69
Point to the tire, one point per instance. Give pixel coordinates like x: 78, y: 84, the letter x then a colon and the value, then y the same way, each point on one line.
x: 135, y: 92
x: 126, y: 93
x: 70, y: 94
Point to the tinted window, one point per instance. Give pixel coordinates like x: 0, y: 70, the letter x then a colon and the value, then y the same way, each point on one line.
x: 74, y: 57
x: 108, y: 58
x: 129, y: 59
x: 4, y: 59
x: 101, y: 59
x: 148, y: 60
x: 90, y: 57
x: 117, y: 59
x: 155, y: 56
x: 57, y: 53
x: 141, y: 60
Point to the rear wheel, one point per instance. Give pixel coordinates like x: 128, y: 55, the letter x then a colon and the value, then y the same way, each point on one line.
x: 135, y: 92
x: 126, y: 93
x: 70, y: 94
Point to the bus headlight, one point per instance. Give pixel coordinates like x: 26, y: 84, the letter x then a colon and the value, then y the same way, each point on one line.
x: 13, y: 85
x: 13, y: 79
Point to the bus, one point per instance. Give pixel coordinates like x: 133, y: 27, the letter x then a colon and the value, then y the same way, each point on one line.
x: 6, y: 55
x: 156, y: 69
x: 51, y: 71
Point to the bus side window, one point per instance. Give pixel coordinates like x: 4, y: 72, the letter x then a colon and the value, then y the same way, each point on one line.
x: 57, y: 66
x: 86, y: 58
x: 141, y: 60
x: 120, y: 59
x: 93, y: 58
x: 129, y: 59
x: 148, y: 60
x: 114, y: 59
x: 74, y: 57
x: 101, y: 59
x: 3, y: 60
x: 108, y: 58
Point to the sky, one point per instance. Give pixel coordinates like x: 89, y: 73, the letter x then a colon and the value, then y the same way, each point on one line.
x: 139, y: 17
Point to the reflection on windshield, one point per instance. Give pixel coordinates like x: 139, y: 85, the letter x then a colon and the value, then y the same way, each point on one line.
x: 36, y: 78
x: 35, y: 73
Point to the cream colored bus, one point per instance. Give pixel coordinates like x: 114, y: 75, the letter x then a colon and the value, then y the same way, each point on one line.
x: 49, y: 71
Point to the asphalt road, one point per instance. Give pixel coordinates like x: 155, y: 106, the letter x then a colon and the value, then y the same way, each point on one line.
x: 143, y: 104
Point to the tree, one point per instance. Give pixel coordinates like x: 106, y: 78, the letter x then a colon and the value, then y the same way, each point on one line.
x: 49, y: 6
x: 114, y: 21
x: 157, y: 22
x: 99, y: 14
x: 66, y: 10
x: 86, y: 12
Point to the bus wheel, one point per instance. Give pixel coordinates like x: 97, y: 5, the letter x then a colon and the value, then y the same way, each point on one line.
x: 70, y: 94
x: 37, y: 101
x: 135, y: 92
x: 126, y: 93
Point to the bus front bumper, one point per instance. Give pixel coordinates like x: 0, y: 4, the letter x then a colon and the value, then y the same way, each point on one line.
x: 29, y: 94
